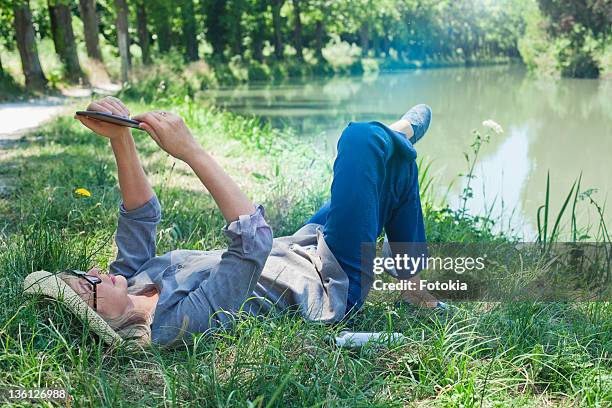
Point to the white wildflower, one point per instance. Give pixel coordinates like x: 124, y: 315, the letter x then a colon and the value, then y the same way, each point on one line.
x: 493, y: 125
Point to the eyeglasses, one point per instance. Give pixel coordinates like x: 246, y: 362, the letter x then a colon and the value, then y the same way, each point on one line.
x: 94, y: 281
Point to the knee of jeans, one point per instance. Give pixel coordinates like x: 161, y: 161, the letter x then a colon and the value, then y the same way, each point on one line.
x: 363, y: 135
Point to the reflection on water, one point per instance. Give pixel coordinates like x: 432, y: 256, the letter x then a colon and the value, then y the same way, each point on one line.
x: 563, y: 127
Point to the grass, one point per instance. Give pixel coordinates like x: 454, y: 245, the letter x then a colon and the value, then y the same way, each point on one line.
x: 486, y: 354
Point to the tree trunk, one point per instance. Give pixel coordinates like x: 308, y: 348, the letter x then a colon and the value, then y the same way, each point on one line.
x: 190, y: 39
x: 216, y: 33
x: 319, y: 39
x: 143, y: 32
x: 276, y: 20
x: 26, y: 42
x: 386, y: 45
x: 257, y: 44
x: 63, y: 38
x: 258, y: 33
x: 123, y: 38
x: 91, y: 28
x: 297, y: 30
x: 161, y: 20
x: 236, y: 34
x: 364, y: 38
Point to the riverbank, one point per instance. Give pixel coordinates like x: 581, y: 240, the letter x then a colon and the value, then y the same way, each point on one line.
x: 171, y: 74
x: 530, y: 354
x: 171, y: 77
x: 512, y: 168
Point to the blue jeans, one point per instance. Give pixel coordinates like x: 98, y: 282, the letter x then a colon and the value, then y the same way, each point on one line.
x: 375, y: 186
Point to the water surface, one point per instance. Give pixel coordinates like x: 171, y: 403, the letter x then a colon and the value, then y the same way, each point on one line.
x: 562, y: 127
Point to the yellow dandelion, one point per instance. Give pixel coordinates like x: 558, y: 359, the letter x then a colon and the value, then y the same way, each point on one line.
x: 82, y: 192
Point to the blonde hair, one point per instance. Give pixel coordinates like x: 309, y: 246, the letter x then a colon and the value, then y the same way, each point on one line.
x: 134, y: 326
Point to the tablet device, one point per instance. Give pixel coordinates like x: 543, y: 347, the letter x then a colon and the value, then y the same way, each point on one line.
x: 107, y: 117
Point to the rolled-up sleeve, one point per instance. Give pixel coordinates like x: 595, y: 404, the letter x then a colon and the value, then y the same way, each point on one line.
x: 228, y: 286
x: 241, y: 264
x: 250, y: 234
x: 135, y: 237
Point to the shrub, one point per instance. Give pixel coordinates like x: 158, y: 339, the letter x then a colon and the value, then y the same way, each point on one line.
x: 8, y: 87
x: 238, y: 68
x: 258, y: 71
x: 170, y: 76
x: 575, y: 54
x: 341, y: 55
x: 535, y: 48
x: 369, y: 65
x: 604, y: 60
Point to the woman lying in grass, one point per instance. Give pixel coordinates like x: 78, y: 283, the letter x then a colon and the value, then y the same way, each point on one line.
x: 316, y: 271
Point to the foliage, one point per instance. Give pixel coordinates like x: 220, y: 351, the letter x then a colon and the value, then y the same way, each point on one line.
x: 9, y: 88
x: 342, y: 55
x: 406, y: 33
x: 570, y: 38
x: 236, y: 38
x: 534, y: 46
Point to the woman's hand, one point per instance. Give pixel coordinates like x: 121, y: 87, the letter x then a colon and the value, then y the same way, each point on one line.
x: 111, y: 105
x: 170, y: 133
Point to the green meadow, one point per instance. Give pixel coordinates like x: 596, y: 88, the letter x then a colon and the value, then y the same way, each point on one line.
x: 529, y: 354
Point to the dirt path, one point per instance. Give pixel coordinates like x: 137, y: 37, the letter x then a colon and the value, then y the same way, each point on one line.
x: 19, y: 118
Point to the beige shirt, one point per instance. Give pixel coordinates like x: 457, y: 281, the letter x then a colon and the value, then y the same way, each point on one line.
x: 302, y: 272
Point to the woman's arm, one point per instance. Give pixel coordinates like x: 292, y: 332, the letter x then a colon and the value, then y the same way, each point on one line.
x: 172, y: 135
x: 229, y: 197
x: 133, y: 183
x: 140, y: 212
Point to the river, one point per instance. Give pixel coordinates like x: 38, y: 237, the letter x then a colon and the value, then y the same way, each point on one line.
x: 562, y: 127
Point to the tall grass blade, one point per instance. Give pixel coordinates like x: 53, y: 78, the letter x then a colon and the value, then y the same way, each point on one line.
x: 574, y: 225
x: 555, y: 230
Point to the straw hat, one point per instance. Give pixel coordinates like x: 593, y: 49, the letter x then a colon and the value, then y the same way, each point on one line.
x: 51, y: 285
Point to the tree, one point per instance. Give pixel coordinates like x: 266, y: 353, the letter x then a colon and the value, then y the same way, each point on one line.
x: 143, y: 32
x: 587, y: 28
x: 233, y: 21
x: 7, y: 39
x: 216, y: 30
x: 596, y: 15
x: 123, y: 38
x: 26, y: 42
x: 297, y: 28
x: 256, y: 27
x: 190, y: 39
x: 276, y: 21
x: 90, y: 28
x: 161, y: 13
x: 319, y: 33
x: 63, y: 39
x: 318, y: 11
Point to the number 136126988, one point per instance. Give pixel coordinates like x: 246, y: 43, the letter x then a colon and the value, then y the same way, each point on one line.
x: 16, y: 394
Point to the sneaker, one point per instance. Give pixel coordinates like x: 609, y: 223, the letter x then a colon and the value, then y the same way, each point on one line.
x: 419, y: 117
